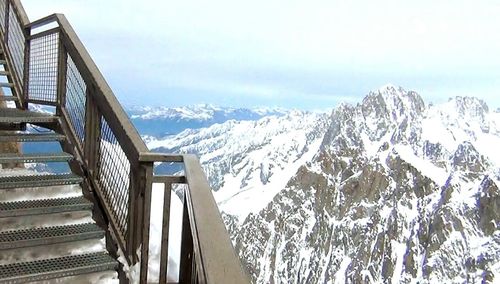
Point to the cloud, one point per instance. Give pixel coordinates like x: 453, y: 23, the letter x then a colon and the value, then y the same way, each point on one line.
x: 273, y: 47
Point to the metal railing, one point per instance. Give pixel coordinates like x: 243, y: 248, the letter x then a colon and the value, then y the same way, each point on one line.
x: 50, y: 66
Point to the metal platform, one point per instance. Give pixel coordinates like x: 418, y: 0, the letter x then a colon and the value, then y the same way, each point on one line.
x: 35, y: 157
x: 12, y: 115
x: 44, y: 206
x: 38, y: 180
x: 56, y: 267
x: 49, y: 235
x: 31, y: 137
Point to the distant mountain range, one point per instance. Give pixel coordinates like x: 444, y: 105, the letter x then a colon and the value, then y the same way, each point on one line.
x: 162, y: 121
x: 157, y: 122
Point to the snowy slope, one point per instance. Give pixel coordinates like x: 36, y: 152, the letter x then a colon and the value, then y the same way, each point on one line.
x: 248, y: 162
x: 463, y: 119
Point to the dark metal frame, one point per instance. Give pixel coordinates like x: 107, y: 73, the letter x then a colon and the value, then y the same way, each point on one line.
x: 207, y: 255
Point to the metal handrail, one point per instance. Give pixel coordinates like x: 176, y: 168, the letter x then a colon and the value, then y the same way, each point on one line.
x: 106, y: 100
x: 20, y: 12
x: 206, y: 245
x: 42, y: 21
x: 207, y: 226
x: 15, y: 7
x: 207, y: 255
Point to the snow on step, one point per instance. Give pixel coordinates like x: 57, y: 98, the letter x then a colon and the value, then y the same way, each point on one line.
x: 52, y: 268
x: 49, y: 235
x: 51, y: 250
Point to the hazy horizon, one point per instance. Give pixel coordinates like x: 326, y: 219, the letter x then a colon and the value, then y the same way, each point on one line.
x: 323, y: 109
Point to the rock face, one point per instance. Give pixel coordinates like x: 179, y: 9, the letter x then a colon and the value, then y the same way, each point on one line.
x: 396, y: 192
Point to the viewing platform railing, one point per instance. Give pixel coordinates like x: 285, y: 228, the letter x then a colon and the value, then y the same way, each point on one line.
x: 50, y: 66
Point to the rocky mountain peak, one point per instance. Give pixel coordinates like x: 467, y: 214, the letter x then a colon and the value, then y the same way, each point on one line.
x: 467, y: 113
x: 393, y: 103
x: 470, y: 108
x: 389, y: 110
x: 341, y: 132
x: 467, y: 158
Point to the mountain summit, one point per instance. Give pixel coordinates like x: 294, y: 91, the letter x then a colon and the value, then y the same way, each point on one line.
x: 397, y: 192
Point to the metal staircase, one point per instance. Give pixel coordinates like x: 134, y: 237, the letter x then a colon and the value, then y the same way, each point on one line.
x: 47, y: 227
x: 56, y: 263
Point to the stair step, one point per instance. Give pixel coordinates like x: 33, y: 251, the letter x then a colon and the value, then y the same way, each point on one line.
x: 7, y: 182
x: 8, y: 98
x: 49, y: 235
x: 44, y: 206
x: 4, y: 73
x: 13, y: 115
x: 6, y: 85
x: 35, y: 157
x: 56, y: 267
x: 31, y: 137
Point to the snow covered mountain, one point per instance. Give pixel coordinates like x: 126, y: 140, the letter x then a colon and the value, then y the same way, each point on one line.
x: 397, y: 192
x: 161, y: 121
x: 248, y: 162
x: 386, y: 191
x: 201, y: 112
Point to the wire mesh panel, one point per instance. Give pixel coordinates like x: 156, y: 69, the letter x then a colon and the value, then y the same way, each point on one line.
x: 75, y: 98
x: 16, y: 44
x: 3, y: 7
x: 43, y: 68
x: 113, y: 177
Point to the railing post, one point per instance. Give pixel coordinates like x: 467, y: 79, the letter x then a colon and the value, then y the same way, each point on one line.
x: 62, y: 67
x: 134, y: 206
x: 27, y: 46
x: 186, y: 261
x: 140, y: 214
x: 6, y: 31
x: 165, y: 232
x: 92, y: 132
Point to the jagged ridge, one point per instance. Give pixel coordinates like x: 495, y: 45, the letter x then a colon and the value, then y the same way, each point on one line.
x: 397, y: 191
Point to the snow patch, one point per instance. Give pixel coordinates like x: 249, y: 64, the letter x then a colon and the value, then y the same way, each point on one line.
x: 340, y: 274
x: 437, y: 174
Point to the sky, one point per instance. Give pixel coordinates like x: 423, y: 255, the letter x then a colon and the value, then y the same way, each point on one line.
x: 306, y: 54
